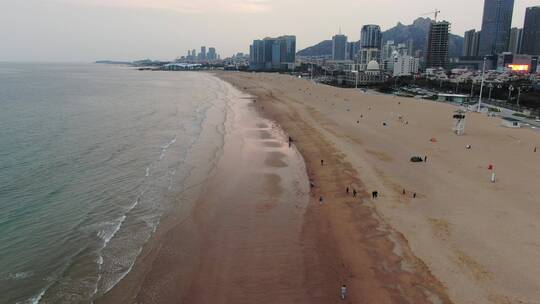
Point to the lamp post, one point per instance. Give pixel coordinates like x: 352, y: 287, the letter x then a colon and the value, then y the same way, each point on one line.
x: 510, y: 89
x: 490, y: 86
x: 519, y: 95
x: 355, y: 71
x: 482, y: 85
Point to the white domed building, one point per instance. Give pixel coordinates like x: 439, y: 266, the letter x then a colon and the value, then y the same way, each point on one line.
x: 373, y: 68
x: 371, y: 75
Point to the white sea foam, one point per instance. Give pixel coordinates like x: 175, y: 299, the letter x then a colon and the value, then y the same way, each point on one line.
x: 165, y: 147
x: 20, y: 275
x: 147, y: 172
x: 124, y: 274
x: 35, y: 299
x: 112, y: 228
x: 135, y: 203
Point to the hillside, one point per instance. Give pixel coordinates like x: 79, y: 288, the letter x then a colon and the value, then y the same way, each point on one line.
x: 418, y: 32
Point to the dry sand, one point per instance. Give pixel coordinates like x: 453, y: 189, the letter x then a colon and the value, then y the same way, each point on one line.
x: 463, y: 239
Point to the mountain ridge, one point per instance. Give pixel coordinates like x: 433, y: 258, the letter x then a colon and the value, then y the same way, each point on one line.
x: 400, y: 33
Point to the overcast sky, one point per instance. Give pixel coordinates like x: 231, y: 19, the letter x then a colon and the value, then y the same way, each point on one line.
x: 87, y: 30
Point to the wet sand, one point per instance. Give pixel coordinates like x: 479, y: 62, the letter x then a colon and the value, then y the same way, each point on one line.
x: 245, y: 238
x: 462, y: 238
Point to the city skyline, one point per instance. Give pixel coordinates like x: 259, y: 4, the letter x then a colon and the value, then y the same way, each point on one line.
x: 165, y: 29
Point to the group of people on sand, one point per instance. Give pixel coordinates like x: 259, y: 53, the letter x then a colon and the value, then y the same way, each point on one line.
x: 349, y: 190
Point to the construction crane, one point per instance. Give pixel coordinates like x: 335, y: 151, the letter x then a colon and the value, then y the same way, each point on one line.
x: 436, y: 13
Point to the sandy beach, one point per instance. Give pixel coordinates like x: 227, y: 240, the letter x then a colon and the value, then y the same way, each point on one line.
x: 439, y: 232
x: 462, y: 236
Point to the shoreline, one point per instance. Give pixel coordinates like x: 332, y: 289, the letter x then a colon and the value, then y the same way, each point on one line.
x: 433, y: 243
x: 255, y: 157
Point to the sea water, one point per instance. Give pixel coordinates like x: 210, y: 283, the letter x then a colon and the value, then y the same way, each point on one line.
x: 89, y: 158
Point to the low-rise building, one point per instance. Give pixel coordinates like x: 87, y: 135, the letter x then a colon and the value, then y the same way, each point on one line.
x: 371, y: 75
x: 405, y: 65
x: 510, y: 122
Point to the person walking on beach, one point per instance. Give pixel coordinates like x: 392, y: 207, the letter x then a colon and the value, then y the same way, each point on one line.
x: 321, y: 200
x: 414, y: 195
x: 347, y: 190
x: 374, y: 194
x: 290, y: 141
x: 354, y: 192
x: 343, y: 292
x: 322, y: 162
x: 425, y: 159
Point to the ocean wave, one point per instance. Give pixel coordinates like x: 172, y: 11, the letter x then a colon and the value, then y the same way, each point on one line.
x: 124, y: 274
x: 35, y: 299
x: 112, y: 228
x: 170, y: 143
x: 17, y: 276
x: 165, y: 147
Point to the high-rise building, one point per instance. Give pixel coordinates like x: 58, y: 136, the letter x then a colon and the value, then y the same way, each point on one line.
x: 531, y: 31
x: 437, y: 51
x: 288, y: 51
x: 476, y: 43
x: 388, y: 49
x: 516, y: 38
x: 339, y: 47
x: 370, y: 45
x: 410, y: 47
x: 351, y: 51
x: 256, y: 55
x: 471, y: 43
x: 273, y: 53
x: 203, y: 53
x: 496, y: 23
x: 212, y: 56
x: 371, y: 36
x: 387, y: 55
x: 468, y: 43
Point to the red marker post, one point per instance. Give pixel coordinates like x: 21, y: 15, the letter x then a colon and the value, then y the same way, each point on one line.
x: 492, y: 169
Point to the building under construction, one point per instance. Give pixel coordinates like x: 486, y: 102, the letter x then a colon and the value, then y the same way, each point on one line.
x: 437, y: 51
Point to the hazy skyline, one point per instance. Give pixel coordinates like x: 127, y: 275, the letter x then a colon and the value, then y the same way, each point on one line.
x: 88, y: 30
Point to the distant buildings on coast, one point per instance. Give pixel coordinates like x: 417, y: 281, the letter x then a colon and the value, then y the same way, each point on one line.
x: 437, y: 50
x: 203, y: 56
x: 273, y: 54
x: 339, y: 47
x: 371, y: 59
x: 502, y: 46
